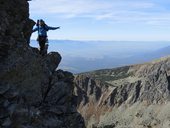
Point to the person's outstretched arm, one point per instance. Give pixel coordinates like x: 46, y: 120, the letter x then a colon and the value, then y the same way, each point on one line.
x: 52, y: 28
x: 35, y: 29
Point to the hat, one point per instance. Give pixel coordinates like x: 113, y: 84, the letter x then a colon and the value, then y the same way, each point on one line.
x: 41, y: 20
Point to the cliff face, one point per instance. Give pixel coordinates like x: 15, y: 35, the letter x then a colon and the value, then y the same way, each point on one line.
x: 32, y: 93
x: 134, y: 96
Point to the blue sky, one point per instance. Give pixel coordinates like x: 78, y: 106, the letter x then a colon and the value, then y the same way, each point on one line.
x: 141, y: 20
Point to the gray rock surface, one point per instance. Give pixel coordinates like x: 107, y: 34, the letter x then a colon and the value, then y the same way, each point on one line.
x: 33, y: 94
x: 127, y: 97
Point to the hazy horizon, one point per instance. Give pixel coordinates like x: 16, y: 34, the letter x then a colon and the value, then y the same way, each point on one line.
x: 81, y: 56
x: 104, y: 34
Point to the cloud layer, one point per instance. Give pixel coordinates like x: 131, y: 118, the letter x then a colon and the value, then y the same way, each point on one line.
x: 149, y: 12
x: 105, y: 19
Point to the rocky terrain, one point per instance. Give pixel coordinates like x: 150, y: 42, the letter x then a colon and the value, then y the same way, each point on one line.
x: 135, y: 96
x: 33, y: 94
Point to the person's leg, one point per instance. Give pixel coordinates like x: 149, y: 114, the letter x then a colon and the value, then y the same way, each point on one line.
x: 42, y: 45
x: 42, y: 42
x: 46, y: 48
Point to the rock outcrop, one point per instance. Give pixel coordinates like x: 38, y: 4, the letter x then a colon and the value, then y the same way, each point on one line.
x: 32, y: 93
x: 134, y: 96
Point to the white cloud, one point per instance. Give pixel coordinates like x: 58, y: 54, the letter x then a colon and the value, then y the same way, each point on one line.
x: 85, y: 6
x: 67, y: 6
x: 104, y: 19
x: 114, y: 11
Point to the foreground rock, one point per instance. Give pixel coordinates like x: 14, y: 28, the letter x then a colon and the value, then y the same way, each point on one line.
x: 32, y: 93
x: 134, y: 96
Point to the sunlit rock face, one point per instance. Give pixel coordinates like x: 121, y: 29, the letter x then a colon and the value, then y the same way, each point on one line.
x: 135, y: 96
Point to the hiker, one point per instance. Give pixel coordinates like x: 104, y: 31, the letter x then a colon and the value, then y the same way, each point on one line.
x: 42, y: 29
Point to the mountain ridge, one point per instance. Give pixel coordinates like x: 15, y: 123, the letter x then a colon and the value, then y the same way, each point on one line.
x: 135, y: 89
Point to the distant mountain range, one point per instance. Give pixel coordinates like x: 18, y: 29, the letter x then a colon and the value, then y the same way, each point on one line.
x: 82, y: 56
x: 80, y: 64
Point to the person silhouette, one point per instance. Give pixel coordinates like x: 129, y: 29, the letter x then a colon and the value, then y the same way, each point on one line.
x: 42, y: 39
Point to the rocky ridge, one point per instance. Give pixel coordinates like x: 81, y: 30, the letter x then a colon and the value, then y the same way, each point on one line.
x: 33, y: 94
x: 135, y: 96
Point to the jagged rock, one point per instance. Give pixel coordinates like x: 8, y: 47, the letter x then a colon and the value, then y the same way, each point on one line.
x: 32, y: 93
x: 4, y: 89
x: 107, y: 96
x: 7, y: 123
x: 3, y: 50
x: 52, y: 60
